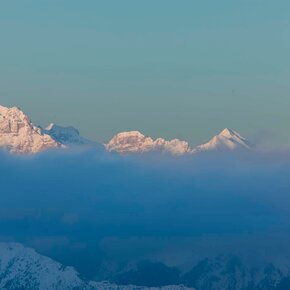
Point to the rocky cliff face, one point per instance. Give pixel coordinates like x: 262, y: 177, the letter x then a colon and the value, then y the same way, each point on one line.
x: 19, y: 135
x: 136, y: 142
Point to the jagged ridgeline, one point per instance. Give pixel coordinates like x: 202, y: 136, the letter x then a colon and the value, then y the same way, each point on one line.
x: 24, y: 268
x: 19, y: 135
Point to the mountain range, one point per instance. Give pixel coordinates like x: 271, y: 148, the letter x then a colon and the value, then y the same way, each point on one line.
x: 24, y: 268
x: 19, y: 135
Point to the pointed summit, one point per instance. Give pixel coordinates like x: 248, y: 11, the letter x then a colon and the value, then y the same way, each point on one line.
x: 227, y: 132
x: 227, y: 139
x: 19, y: 135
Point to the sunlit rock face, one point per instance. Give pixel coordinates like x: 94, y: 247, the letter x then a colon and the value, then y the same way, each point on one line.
x: 225, y: 140
x: 19, y: 135
x: 130, y: 142
x: 136, y: 142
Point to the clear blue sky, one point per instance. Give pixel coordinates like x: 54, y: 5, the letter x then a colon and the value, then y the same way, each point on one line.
x: 168, y: 68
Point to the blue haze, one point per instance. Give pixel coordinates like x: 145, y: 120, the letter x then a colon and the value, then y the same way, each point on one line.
x: 92, y: 209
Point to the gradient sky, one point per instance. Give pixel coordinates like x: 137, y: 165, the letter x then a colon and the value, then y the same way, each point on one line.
x: 168, y: 68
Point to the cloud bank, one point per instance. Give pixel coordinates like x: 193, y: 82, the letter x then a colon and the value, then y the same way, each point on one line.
x: 73, y: 204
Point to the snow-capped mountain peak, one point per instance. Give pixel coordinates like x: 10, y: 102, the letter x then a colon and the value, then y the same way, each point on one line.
x: 229, y: 133
x: 136, y: 142
x: 174, y: 146
x: 67, y: 136
x: 19, y: 135
x: 227, y: 139
x: 58, y: 130
x: 130, y: 142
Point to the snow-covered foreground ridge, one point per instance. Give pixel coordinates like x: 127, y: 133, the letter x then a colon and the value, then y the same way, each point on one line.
x: 19, y: 135
x: 24, y: 268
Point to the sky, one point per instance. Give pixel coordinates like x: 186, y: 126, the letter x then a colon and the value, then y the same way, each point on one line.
x: 183, y: 69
